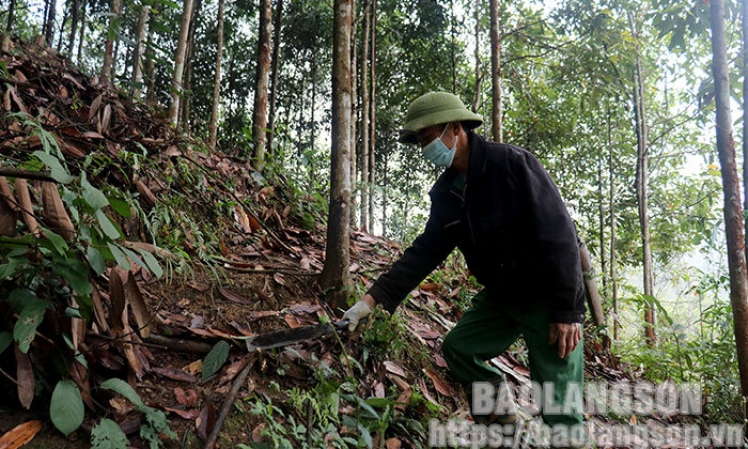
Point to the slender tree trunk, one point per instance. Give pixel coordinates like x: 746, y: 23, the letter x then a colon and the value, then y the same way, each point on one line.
x: 115, y: 8
x: 642, y: 192
x: 744, y: 23
x: 11, y: 16
x: 385, y: 188
x: 139, y: 50
x: 213, y: 126
x: 365, y: 110
x: 62, y: 30
x: 274, y: 73
x: 74, y: 19
x: 612, y: 213
x: 49, y: 23
x: 453, y: 46
x: 736, y: 256
x: 186, y: 102
x: 478, y: 94
x: 355, y: 152
x: 177, y: 79
x: 372, y: 114
x: 335, y: 275
x: 79, y: 56
x: 150, y: 70
x: 496, y: 124
x: 259, y: 116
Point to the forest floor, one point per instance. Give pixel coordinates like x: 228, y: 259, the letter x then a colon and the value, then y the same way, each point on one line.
x: 262, y: 281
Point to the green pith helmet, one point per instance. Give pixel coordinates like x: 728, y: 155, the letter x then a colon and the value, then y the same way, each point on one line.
x: 435, y: 108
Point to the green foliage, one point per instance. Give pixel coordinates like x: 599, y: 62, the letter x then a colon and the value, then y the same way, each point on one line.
x: 108, y: 435
x: 66, y: 407
x: 155, y: 420
x: 215, y: 359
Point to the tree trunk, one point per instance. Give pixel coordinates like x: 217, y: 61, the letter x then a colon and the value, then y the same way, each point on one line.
x: 372, y: 113
x: 115, y: 8
x: 335, y: 276
x: 453, y: 45
x: 736, y: 257
x: 259, y: 115
x: 74, y: 18
x: 186, y: 102
x: 274, y: 73
x: 744, y: 4
x: 79, y: 56
x: 177, y: 77
x: 150, y: 69
x: 213, y: 125
x: 139, y: 50
x: 496, y: 125
x: 62, y: 29
x: 11, y: 16
x: 365, y: 111
x: 611, y: 199
x: 49, y: 22
x: 478, y: 94
x: 642, y: 192
x: 355, y: 152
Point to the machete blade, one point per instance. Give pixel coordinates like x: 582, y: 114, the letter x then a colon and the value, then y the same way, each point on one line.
x: 287, y: 337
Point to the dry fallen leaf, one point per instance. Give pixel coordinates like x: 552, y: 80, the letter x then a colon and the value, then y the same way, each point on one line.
x: 174, y: 374
x: 24, y: 378
x: 441, y: 386
x: 187, y: 398
x: 27, y: 210
x: 394, y: 368
x: 394, y: 443
x: 205, y: 421
x: 234, y: 296
x: 20, y: 435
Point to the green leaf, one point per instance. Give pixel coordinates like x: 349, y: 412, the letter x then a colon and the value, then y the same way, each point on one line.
x: 76, y: 273
x: 152, y: 263
x: 58, y: 172
x: 123, y: 388
x: 93, y: 196
x: 133, y: 256
x: 29, y: 319
x: 6, y: 338
x: 96, y: 260
x: 366, y: 435
x: 66, y: 408
x: 107, y: 435
x: 368, y: 408
x: 19, y: 297
x: 121, y: 207
x: 15, y: 265
x: 119, y: 256
x: 107, y: 225
x: 58, y: 243
x: 215, y: 359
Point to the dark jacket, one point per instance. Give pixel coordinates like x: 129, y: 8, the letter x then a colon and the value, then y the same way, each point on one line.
x: 508, y: 219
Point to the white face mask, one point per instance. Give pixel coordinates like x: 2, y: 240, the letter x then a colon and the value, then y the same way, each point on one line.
x: 437, y: 152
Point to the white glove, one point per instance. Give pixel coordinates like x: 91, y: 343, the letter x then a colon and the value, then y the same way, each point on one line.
x: 357, y: 314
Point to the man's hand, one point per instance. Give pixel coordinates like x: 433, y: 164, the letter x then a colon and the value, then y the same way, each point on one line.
x: 359, y: 312
x: 567, y: 335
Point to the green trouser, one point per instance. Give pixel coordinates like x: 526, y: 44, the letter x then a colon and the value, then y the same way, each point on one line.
x: 486, y: 331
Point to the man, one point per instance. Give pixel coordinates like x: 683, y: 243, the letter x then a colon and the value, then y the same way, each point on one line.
x: 499, y: 206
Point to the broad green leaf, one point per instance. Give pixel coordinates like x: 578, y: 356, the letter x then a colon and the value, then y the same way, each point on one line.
x: 119, y: 256
x: 107, y: 225
x: 123, y: 388
x: 108, y: 435
x: 215, y: 359
x: 368, y: 408
x: 14, y: 266
x: 366, y: 435
x: 58, y: 172
x: 96, y: 260
x: 93, y: 196
x: 152, y: 263
x: 6, y: 338
x: 19, y: 297
x: 121, y: 207
x: 76, y: 273
x: 29, y: 319
x: 133, y: 256
x: 66, y: 407
x: 58, y: 243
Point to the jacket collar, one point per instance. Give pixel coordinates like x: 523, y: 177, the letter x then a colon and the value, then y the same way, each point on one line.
x: 477, y: 157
